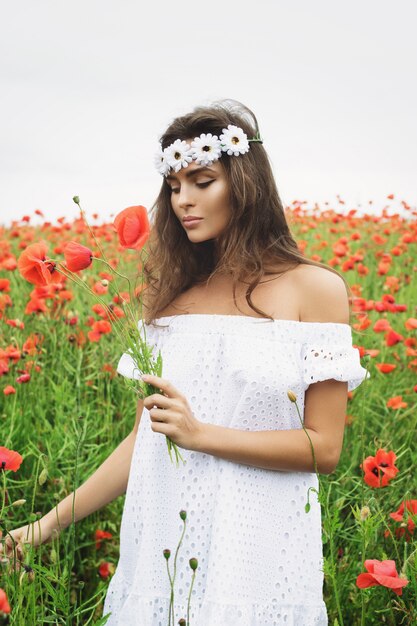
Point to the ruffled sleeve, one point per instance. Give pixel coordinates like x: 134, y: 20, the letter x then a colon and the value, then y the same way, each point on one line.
x: 127, y: 367
x: 328, y: 353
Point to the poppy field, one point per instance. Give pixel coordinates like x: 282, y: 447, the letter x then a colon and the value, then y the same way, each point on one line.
x: 63, y: 303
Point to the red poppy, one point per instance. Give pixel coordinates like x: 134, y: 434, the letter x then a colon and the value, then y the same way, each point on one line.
x: 9, y: 390
x: 77, y: 257
x: 382, y: 573
x: 4, y: 605
x: 379, y: 469
x: 381, y: 325
x: 35, y: 267
x: 5, y: 285
x: 99, y: 328
x: 16, y: 323
x: 99, y: 535
x: 36, y: 305
x: 105, y: 569
x: 396, y: 402
x: 9, y: 459
x: 100, y: 288
x: 33, y: 344
x: 411, y: 507
x: 24, y: 378
x: 132, y: 227
x: 385, y: 368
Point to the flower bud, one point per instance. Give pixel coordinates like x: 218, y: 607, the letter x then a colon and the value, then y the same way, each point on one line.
x: 76, y: 200
x: 365, y: 512
x: 291, y: 396
x: 43, y: 476
x: 182, y: 622
x: 18, y: 502
x: 167, y: 554
x: 183, y: 515
x: 193, y: 564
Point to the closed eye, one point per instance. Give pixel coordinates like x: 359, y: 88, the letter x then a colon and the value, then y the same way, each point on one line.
x: 202, y: 185
x: 205, y: 184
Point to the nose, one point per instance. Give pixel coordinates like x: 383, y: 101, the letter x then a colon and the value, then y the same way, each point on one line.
x: 185, y: 197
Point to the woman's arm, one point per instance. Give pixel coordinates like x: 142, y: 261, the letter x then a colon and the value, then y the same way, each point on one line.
x: 288, y: 450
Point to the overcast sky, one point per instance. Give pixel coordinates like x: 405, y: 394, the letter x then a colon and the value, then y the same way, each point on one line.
x: 89, y: 86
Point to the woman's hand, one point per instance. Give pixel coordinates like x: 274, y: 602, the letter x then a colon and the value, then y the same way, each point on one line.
x: 172, y: 416
x: 12, y: 543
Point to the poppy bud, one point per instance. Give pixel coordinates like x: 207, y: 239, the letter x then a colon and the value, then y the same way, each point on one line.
x: 18, y: 502
x: 183, y: 515
x: 167, y: 554
x: 291, y: 396
x: 76, y: 199
x: 182, y: 622
x: 43, y: 476
x: 365, y: 512
x: 193, y: 564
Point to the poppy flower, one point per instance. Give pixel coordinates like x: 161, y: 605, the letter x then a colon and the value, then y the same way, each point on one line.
x: 77, y: 257
x: 106, y: 569
x: 4, y: 605
x: 382, y: 573
x: 99, y: 535
x: 411, y: 507
x: 16, y: 323
x: 5, y: 285
x: 132, y: 227
x: 99, y: 328
x: 385, y: 368
x: 35, y: 267
x: 32, y: 345
x: 9, y: 459
x: 396, y: 402
x: 36, y: 305
x: 9, y: 390
x: 24, y: 378
x: 379, y: 469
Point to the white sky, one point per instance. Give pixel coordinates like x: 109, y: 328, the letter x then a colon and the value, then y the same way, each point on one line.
x: 88, y: 86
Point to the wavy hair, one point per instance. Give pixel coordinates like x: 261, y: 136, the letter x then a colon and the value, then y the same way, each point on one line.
x: 256, y: 242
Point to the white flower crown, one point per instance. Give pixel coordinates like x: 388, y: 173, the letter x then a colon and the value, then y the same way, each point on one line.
x: 203, y: 150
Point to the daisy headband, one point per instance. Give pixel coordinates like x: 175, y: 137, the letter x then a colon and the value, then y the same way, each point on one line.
x: 203, y: 150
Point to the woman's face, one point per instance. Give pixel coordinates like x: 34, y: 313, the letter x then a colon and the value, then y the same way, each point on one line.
x: 201, y: 192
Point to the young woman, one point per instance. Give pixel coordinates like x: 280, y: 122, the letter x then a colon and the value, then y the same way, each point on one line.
x: 241, y: 318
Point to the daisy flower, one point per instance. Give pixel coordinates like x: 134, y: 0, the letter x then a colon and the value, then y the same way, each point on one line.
x: 178, y: 154
x: 206, y: 149
x: 234, y: 141
x: 161, y: 163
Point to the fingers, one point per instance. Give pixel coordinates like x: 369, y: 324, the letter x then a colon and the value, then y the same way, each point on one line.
x: 158, y: 400
x: 158, y: 415
x: 162, y: 384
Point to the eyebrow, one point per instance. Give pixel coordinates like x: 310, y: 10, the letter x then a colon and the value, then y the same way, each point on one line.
x: 194, y: 172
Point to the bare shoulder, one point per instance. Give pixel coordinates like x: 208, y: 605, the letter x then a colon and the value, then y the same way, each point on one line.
x: 322, y: 295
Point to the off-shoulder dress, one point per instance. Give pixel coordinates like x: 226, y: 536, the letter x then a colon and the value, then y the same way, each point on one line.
x: 259, y: 553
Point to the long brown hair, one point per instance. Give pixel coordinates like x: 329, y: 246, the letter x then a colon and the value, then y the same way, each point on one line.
x: 257, y: 240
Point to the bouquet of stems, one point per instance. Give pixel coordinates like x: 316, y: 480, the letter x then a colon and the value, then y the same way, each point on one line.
x: 133, y: 229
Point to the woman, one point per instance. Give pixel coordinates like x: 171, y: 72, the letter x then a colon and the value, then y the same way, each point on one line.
x: 241, y: 318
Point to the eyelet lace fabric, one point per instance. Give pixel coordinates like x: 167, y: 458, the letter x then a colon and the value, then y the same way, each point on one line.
x: 259, y: 553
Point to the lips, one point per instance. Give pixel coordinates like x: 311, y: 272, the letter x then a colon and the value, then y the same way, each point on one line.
x: 191, y: 218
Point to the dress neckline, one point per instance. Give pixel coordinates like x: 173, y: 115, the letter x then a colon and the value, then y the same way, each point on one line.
x: 248, y: 317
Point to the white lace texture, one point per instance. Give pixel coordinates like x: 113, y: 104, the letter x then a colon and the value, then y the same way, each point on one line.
x: 259, y: 553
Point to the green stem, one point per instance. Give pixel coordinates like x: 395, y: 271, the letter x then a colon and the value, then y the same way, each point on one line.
x: 189, y: 599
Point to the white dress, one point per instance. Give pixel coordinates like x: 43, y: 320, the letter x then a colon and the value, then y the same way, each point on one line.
x: 259, y: 553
